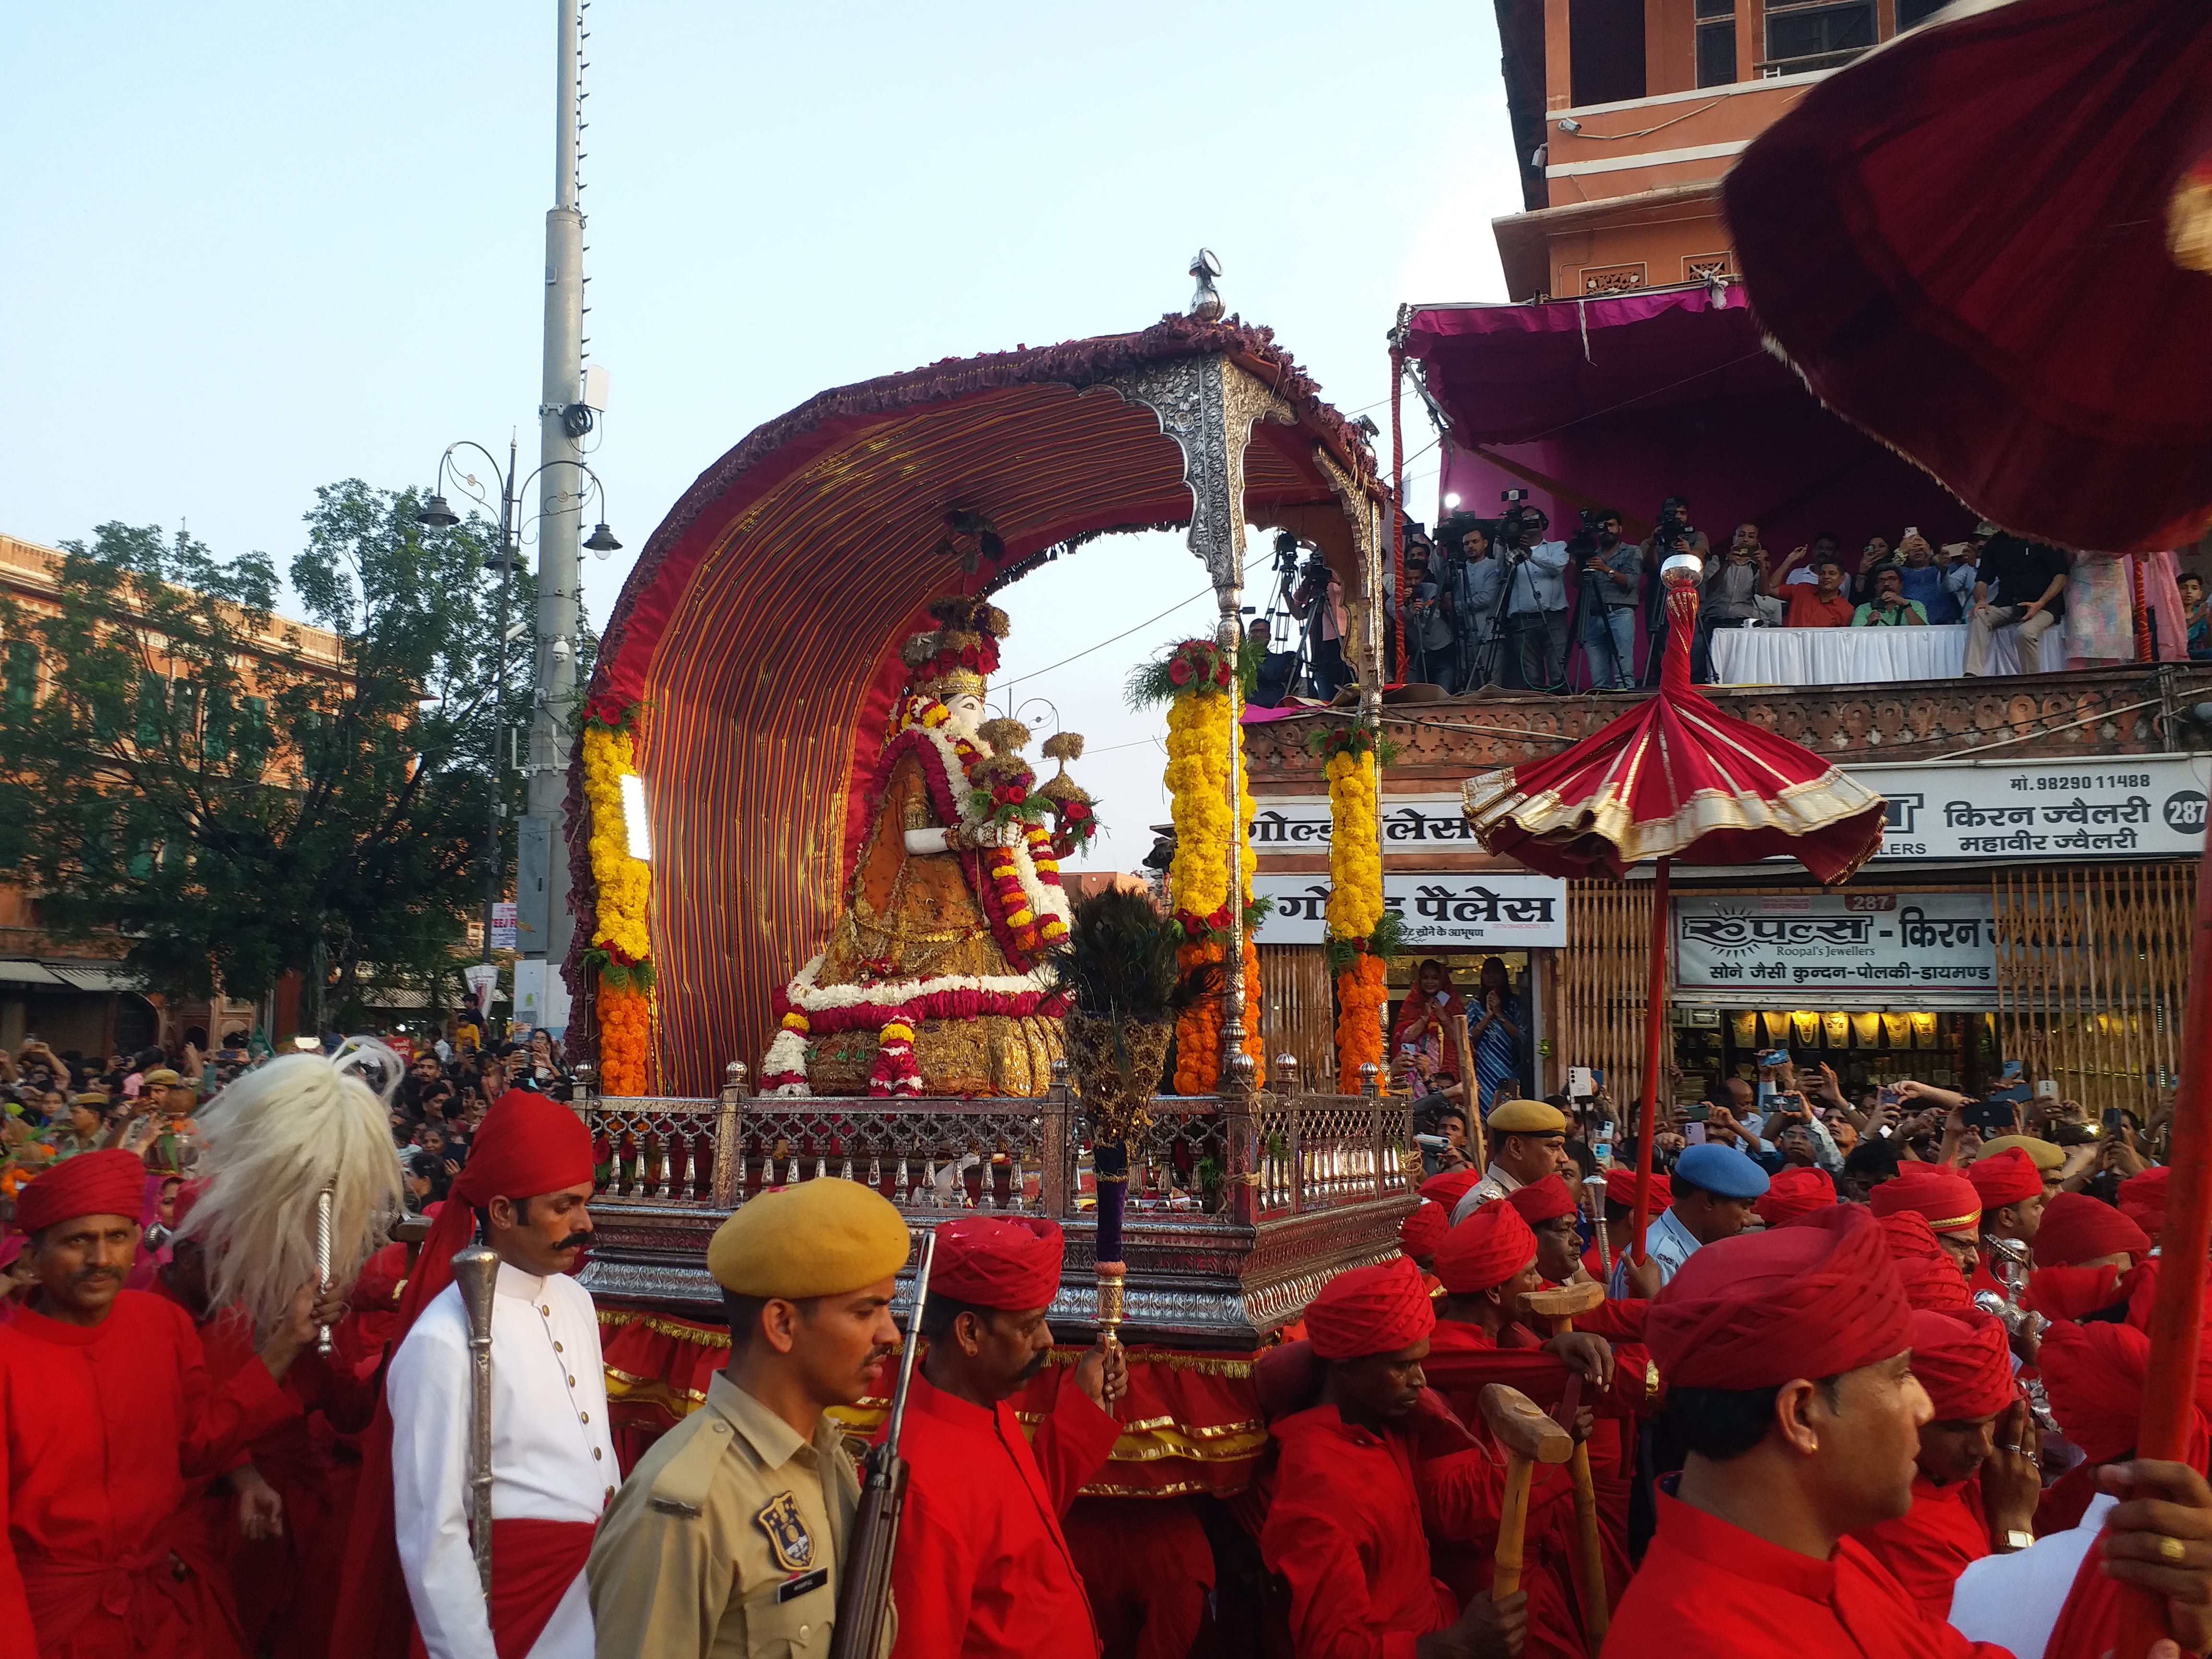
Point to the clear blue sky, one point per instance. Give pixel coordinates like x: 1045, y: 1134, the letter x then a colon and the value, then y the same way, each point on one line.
x: 253, y: 248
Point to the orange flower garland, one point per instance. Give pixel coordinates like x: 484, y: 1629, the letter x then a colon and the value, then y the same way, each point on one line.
x: 625, y: 1032
x: 1361, y: 992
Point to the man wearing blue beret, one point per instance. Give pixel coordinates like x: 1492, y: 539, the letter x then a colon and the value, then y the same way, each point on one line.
x: 1715, y: 1187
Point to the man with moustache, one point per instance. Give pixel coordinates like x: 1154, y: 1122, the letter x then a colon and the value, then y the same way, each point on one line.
x: 528, y: 1188
x: 107, y: 1420
x: 984, y: 1569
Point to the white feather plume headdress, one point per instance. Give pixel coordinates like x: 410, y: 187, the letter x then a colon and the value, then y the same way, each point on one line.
x: 277, y: 1139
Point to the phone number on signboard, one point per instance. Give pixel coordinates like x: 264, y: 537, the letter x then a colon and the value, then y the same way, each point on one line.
x: 2122, y: 780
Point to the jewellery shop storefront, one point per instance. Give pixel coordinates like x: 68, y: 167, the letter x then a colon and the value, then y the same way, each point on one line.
x: 1497, y: 929
x: 2019, y: 910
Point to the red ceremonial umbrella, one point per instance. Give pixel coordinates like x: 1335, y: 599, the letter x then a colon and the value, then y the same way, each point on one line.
x: 1987, y: 244
x: 1991, y: 245
x: 1675, y: 778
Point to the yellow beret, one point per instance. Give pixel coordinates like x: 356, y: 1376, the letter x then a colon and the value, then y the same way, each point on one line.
x: 823, y: 1237
x: 159, y: 1077
x: 1527, y: 1117
x: 2041, y: 1153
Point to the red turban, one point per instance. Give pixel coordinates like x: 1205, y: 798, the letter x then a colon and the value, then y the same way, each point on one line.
x: 1947, y: 1197
x: 1814, y: 1298
x: 1965, y: 1366
x: 2076, y: 1227
x: 1484, y: 1250
x: 1795, y: 1193
x: 1449, y: 1188
x: 91, y: 1183
x: 2006, y: 1177
x: 1928, y: 1273
x: 1371, y: 1310
x: 1544, y: 1200
x: 2072, y: 1292
x: 2094, y: 1377
x: 1419, y: 1233
x: 1012, y: 1265
x: 1620, y: 1188
x: 2143, y: 1199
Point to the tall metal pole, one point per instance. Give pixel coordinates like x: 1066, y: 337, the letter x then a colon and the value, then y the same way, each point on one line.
x: 560, y: 500
x: 494, y: 866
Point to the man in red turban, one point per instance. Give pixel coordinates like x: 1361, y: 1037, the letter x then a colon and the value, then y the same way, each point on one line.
x: 1796, y: 1191
x: 2090, y: 1257
x: 1354, y: 1474
x: 110, y: 1420
x: 1419, y: 1233
x: 528, y: 1186
x: 1788, y: 1363
x: 1947, y: 1197
x: 2140, y: 1522
x: 1620, y: 1211
x: 984, y: 1569
x: 2142, y: 1201
x: 1449, y: 1187
x: 1976, y: 1478
x: 2012, y: 1192
x: 1928, y: 1273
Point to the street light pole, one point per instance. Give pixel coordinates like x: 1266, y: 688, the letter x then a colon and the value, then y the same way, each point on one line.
x: 560, y: 572
x: 494, y: 866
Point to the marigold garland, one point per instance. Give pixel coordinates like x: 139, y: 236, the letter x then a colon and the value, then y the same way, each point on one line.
x: 1356, y: 909
x: 621, y: 953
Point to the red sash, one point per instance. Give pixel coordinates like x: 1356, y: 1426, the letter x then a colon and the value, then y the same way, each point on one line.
x: 141, y: 1588
x: 533, y: 1565
x: 2089, y: 1623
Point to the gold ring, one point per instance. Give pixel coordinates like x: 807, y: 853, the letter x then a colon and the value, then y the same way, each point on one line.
x: 2173, y: 1550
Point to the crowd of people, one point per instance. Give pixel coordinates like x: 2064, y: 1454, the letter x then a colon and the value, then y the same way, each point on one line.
x: 1843, y: 1405
x: 1501, y: 602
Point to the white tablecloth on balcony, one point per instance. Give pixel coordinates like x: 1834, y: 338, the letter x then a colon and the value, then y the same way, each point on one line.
x: 1865, y: 656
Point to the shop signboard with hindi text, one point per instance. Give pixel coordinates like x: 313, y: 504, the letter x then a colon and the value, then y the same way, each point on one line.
x: 2107, y: 807
x: 1299, y: 824
x: 1837, y: 949
x: 1502, y: 910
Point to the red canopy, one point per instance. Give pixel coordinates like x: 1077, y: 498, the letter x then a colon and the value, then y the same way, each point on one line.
x: 1961, y: 242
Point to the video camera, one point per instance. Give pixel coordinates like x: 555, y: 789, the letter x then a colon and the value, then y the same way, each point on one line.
x: 1520, y: 525
x: 1582, y: 546
x: 1674, y: 524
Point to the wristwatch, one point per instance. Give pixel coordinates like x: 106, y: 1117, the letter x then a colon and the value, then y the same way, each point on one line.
x: 2015, y: 1539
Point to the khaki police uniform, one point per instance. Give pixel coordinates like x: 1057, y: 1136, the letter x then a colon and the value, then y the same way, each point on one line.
x: 727, y: 1540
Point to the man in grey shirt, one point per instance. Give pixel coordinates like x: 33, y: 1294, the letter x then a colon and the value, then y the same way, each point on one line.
x: 1536, y: 611
x: 1472, y: 583
x: 1612, y: 588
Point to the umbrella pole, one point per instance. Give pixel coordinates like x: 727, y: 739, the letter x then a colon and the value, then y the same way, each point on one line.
x: 2177, y: 1314
x: 1654, y: 1033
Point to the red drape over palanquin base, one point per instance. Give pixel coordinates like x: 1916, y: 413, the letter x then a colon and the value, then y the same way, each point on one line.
x: 1191, y: 1422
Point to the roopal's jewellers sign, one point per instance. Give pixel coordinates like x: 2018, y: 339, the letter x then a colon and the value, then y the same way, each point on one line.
x: 1299, y: 824
x: 1510, y: 911
x: 2110, y: 807
x: 1855, y: 941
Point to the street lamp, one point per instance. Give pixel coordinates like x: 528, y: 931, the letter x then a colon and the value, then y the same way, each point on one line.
x: 436, y: 514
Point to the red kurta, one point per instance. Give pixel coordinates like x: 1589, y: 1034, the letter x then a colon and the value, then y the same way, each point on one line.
x: 107, y: 1428
x: 1946, y: 1533
x: 983, y: 1570
x: 1710, y: 1590
x: 1345, y: 1530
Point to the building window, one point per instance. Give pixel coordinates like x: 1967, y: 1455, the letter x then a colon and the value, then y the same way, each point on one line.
x: 153, y: 708
x: 23, y: 673
x: 1910, y: 12
x: 1816, y: 37
x: 1716, y: 52
x: 1605, y: 50
x: 1612, y: 279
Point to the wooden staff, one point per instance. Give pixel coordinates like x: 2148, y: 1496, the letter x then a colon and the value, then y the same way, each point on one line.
x: 1528, y: 1437
x: 1470, y: 1091
x: 1561, y: 1307
x: 2177, y: 1312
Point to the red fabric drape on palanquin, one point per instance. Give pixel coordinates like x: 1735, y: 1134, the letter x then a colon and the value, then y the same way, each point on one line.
x: 1675, y: 778
x: 1987, y: 245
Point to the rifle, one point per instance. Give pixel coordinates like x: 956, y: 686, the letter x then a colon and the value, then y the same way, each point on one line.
x: 864, y: 1596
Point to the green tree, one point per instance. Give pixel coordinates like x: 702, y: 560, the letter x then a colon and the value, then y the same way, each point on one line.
x: 199, y: 776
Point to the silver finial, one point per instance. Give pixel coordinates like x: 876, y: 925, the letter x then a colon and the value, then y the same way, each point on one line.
x: 1206, y: 304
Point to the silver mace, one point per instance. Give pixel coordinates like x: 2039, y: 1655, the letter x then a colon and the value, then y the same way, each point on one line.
x: 476, y: 1271
x: 323, y: 1263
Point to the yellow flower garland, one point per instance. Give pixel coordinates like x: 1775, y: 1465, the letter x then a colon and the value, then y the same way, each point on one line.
x: 1198, y: 785
x: 1355, y: 910
x: 625, y: 883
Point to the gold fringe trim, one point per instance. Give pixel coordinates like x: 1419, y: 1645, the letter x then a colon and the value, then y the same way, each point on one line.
x: 683, y: 1331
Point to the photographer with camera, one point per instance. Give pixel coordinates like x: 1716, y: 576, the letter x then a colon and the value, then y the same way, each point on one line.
x: 1536, y: 608
x: 1318, y: 602
x: 1432, y: 650
x: 1473, y: 583
x: 1612, y: 589
x: 1734, y: 593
